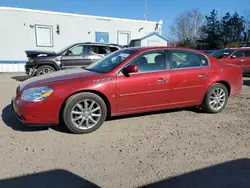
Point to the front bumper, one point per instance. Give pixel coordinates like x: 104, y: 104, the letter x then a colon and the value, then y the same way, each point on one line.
x: 32, y: 113
x: 30, y: 69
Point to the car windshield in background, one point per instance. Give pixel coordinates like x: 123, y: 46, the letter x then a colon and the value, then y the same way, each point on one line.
x: 111, y: 61
x: 222, y: 53
x: 65, y: 48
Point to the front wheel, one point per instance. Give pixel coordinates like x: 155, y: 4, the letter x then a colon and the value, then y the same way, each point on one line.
x: 215, y: 99
x: 45, y: 69
x: 84, y: 113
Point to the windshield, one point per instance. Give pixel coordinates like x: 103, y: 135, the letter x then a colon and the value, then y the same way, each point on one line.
x: 111, y: 61
x: 222, y: 53
x: 62, y: 50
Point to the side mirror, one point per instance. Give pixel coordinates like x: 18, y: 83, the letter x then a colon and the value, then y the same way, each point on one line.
x: 130, y: 69
x: 233, y: 57
x: 68, y: 52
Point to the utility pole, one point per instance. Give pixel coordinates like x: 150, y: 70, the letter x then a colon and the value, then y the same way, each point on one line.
x: 146, y: 10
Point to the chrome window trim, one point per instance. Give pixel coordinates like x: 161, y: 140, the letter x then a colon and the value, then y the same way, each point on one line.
x: 167, y: 61
x: 140, y: 54
x: 197, y: 53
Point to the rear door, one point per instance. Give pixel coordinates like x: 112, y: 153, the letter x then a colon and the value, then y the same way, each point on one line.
x: 189, y: 77
x: 76, y: 56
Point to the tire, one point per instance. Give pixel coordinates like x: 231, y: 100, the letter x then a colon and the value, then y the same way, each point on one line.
x: 43, y: 69
x: 206, y: 104
x: 72, y: 106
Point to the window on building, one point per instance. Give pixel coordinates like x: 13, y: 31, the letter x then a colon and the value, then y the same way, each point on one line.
x: 44, y: 36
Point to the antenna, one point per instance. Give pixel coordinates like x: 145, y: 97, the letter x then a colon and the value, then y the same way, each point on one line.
x: 146, y: 10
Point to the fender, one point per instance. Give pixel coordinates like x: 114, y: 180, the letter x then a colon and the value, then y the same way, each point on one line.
x: 51, y: 63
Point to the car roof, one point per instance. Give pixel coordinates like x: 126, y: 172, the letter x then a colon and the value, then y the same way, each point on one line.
x: 146, y: 48
x: 98, y: 43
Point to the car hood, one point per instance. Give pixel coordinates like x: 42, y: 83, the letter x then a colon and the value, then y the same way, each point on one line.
x: 34, y: 53
x: 55, y: 77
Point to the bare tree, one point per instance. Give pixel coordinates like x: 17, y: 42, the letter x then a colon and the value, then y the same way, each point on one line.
x: 247, y: 19
x: 187, y: 25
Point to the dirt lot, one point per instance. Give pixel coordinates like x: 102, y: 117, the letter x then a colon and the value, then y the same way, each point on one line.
x: 180, y: 148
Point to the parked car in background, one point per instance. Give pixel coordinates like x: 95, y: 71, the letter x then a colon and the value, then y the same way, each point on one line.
x: 208, y: 51
x: 76, y: 55
x: 236, y: 56
x: 128, y: 81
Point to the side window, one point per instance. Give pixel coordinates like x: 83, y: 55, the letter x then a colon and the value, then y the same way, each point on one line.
x: 181, y: 59
x: 152, y: 61
x: 247, y: 53
x: 76, y: 51
x: 98, y: 50
x: 239, y: 54
x: 113, y: 49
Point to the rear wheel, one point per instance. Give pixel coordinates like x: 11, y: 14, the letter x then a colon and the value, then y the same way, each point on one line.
x: 215, y: 99
x: 84, y: 113
x: 45, y: 69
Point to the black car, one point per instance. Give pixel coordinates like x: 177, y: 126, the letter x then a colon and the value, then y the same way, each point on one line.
x: 76, y: 55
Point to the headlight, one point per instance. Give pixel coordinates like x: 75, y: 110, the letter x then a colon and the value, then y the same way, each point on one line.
x: 36, y: 94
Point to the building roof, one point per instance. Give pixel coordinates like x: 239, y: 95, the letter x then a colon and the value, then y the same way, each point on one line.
x: 152, y: 34
x: 71, y: 14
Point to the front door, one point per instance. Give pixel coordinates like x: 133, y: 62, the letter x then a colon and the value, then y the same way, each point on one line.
x: 77, y: 56
x: 238, y: 58
x: 247, y: 61
x: 189, y: 77
x: 149, y: 88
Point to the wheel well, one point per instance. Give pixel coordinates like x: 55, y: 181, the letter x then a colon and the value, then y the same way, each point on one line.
x: 227, y: 86
x: 49, y: 64
x: 105, y: 99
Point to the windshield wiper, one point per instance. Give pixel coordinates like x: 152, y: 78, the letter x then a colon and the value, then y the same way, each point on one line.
x: 86, y: 68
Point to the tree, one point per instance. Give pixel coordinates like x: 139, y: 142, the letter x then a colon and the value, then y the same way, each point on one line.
x: 247, y: 19
x: 220, y: 33
x: 186, y: 27
x: 210, y: 32
x: 232, y: 28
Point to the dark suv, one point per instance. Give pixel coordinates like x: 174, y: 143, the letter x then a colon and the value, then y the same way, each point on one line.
x: 76, y: 55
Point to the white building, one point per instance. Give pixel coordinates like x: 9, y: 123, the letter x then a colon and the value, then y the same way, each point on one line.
x: 25, y: 29
x: 151, y: 39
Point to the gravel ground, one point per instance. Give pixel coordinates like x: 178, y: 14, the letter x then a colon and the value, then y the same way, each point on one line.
x: 180, y: 148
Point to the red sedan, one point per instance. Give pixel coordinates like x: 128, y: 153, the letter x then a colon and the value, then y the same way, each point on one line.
x: 128, y: 81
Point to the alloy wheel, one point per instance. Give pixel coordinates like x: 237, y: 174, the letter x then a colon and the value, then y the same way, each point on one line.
x: 86, y: 114
x: 45, y: 71
x: 217, y: 99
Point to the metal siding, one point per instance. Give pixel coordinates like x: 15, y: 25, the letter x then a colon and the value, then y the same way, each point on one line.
x: 19, y: 31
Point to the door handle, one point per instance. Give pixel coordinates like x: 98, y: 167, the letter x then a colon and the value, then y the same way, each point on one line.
x: 203, y: 75
x: 161, y: 80
x: 242, y: 60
